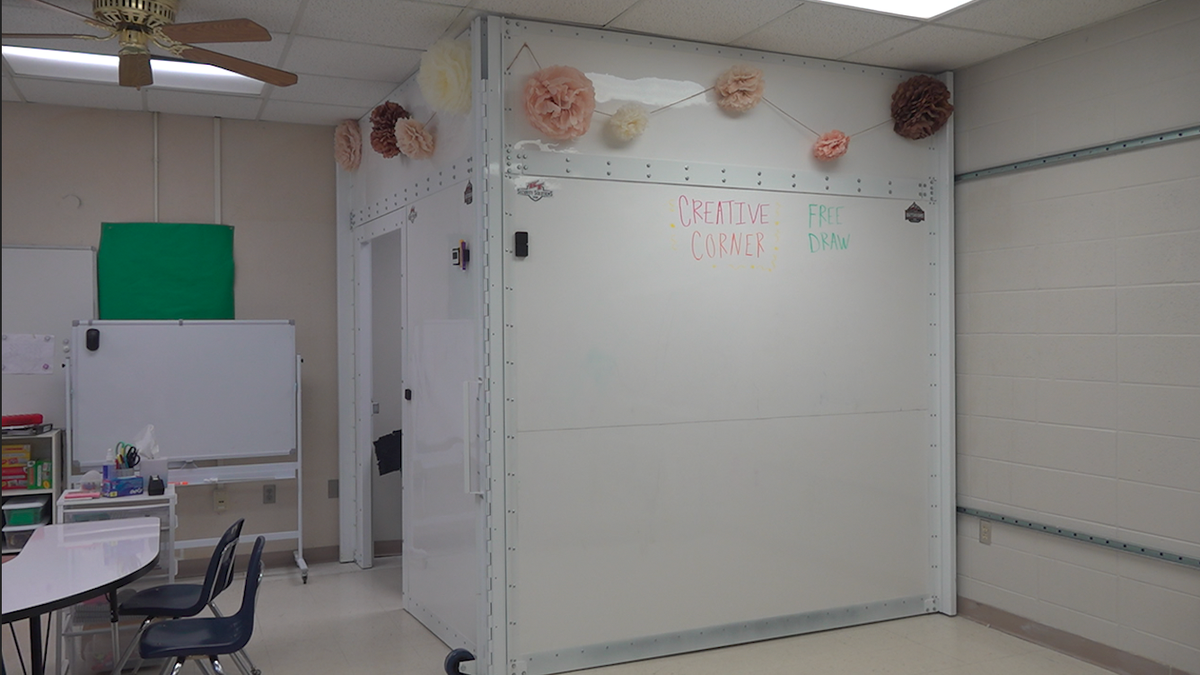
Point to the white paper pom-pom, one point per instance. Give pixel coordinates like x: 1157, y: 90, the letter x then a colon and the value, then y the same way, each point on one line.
x: 628, y: 122
x: 445, y: 76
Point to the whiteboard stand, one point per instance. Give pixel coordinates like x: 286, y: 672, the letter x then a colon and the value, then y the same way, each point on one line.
x: 191, y: 474
x: 194, y: 475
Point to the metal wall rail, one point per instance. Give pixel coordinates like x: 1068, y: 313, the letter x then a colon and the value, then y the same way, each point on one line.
x: 1073, y: 155
x: 1079, y: 536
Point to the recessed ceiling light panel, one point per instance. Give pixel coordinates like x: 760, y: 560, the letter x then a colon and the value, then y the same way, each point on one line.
x: 917, y: 9
x: 81, y: 66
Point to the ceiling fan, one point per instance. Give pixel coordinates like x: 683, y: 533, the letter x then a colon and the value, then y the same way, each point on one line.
x: 137, y: 24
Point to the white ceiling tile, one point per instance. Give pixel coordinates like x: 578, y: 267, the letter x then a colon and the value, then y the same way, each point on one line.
x: 1036, y: 19
x: 411, y: 25
x: 933, y: 49
x: 318, y: 56
x: 334, y: 91
x: 369, y: 43
x: 724, y: 21
x: 25, y: 17
x: 591, y: 13
x: 824, y: 31
x: 89, y: 95
x: 202, y: 105
x: 274, y: 15
x: 310, y: 113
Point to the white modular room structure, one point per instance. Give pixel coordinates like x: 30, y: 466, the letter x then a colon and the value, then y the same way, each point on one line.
x: 661, y: 392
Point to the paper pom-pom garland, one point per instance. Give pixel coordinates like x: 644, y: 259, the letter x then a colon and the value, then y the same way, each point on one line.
x: 413, y: 139
x: 628, y: 122
x: 559, y: 102
x: 383, y: 127
x: 445, y: 76
x: 920, y: 107
x: 347, y: 145
x: 740, y: 88
x: 831, y: 145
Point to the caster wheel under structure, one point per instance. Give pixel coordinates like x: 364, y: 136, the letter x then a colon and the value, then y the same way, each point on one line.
x: 455, y: 658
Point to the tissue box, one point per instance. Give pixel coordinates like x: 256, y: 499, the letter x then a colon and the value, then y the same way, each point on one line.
x: 122, y: 486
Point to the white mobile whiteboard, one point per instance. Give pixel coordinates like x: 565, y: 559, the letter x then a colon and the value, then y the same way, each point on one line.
x: 212, y: 389
x: 45, y: 289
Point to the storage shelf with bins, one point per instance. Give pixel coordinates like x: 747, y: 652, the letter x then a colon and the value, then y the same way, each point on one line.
x: 86, y: 635
x: 18, y: 503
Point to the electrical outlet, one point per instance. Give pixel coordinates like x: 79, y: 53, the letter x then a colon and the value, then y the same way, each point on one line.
x: 220, y: 498
x: 269, y: 493
x: 985, y: 531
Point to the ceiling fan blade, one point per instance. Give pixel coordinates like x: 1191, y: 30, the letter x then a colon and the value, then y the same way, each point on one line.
x: 279, y: 78
x: 231, y: 30
x: 134, y: 70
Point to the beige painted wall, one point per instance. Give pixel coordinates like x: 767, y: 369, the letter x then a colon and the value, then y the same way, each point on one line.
x: 66, y: 170
x: 1078, y: 320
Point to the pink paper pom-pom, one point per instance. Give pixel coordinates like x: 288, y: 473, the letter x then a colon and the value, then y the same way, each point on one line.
x: 740, y: 88
x: 413, y: 139
x: 347, y: 145
x: 831, y: 145
x: 559, y: 102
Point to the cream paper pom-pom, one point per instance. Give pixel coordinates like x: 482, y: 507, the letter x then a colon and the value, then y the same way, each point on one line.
x: 740, y: 88
x: 628, y: 122
x: 445, y: 76
x: 413, y: 139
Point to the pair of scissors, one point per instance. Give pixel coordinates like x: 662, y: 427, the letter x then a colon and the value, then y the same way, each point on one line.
x: 127, y: 456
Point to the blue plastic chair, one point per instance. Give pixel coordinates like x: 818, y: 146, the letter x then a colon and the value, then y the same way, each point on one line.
x: 209, y: 637
x: 173, y: 601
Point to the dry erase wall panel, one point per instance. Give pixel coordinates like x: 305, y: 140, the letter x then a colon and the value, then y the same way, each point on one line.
x: 672, y: 304
x: 45, y: 289
x: 654, y: 72
x: 212, y: 389
x: 441, y: 368
x: 722, y: 407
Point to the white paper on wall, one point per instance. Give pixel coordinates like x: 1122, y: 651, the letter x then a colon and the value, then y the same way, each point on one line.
x: 24, y: 353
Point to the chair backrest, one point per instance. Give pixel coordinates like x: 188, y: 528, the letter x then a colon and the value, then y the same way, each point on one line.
x: 254, y: 575
x: 220, y: 566
x: 225, y: 566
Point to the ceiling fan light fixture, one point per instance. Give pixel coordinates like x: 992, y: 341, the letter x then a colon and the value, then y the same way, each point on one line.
x: 148, y: 13
x: 102, y: 68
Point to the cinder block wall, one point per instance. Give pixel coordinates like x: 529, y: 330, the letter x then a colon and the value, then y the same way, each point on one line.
x: 1078, y: 310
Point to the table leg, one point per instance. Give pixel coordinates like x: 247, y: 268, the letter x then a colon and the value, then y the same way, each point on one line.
x: 114, y: 618
x: 35, y: 645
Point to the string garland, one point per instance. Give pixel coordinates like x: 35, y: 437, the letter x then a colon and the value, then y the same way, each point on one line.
x: 920, y: 106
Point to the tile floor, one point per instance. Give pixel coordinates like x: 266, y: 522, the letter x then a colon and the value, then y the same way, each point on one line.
x: 349, y: 621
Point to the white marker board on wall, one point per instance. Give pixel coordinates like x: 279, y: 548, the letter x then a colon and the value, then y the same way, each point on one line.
x: 212, y: 389
x: 45, y: 289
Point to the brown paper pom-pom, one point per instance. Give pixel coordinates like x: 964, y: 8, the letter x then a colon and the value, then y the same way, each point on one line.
x: 383, y: 127
x: 920, y: 106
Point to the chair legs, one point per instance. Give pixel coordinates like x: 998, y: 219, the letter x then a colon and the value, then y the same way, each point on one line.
x: 132, y: 646
x: 172, y: 666
x: 248, y: 667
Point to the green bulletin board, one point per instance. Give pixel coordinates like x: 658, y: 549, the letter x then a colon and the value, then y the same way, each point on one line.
x: 165, y: 271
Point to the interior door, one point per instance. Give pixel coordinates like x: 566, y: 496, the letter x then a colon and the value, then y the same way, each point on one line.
x: 443, y: 561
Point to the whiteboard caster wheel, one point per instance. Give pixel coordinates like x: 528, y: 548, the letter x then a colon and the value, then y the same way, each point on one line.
x: 454, y: 658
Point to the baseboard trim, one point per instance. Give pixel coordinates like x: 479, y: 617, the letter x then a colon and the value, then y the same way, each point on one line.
x: 389, y: 548
x: 195, y: 567
x: 1090, y: 651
